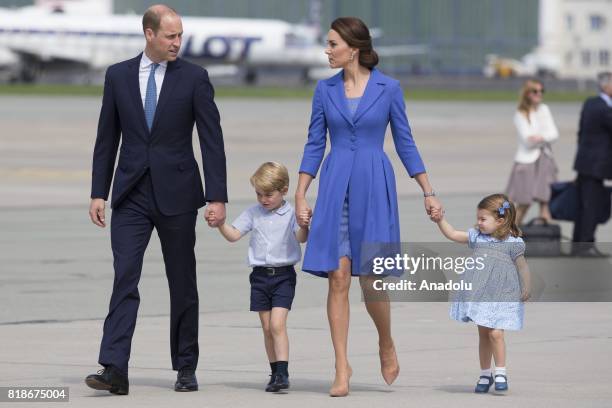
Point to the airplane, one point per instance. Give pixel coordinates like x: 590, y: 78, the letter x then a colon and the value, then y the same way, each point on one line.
x: 34, y: 40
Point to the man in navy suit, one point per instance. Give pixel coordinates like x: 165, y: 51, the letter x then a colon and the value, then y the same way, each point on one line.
x: 150, y: 104
x: 593, y: 164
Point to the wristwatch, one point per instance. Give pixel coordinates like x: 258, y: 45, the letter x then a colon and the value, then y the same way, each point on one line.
x: 432, y: 193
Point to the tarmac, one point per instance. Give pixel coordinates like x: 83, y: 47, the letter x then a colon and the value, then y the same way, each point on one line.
x: 56, y: 274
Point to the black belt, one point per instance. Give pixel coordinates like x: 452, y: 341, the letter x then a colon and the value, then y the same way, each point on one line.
x: 274, y: 270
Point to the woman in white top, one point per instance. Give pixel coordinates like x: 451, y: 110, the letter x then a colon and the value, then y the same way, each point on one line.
x: 534, y: 167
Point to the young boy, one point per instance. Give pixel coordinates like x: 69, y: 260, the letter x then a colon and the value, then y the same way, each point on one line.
x: 274, y: 249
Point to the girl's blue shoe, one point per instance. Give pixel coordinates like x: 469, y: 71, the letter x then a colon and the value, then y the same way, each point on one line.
x: 483, y: 388
x: 501, y: 385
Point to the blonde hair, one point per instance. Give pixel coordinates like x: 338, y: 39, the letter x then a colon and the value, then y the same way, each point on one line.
x: 525, y: 104
x: 270, y: 176
x: 493, y: 203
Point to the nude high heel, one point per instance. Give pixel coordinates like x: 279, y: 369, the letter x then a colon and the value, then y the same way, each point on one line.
x: 340, y: 387
x: 389, y: 366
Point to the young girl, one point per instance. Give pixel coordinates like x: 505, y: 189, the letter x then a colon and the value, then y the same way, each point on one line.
x: 495, y: 302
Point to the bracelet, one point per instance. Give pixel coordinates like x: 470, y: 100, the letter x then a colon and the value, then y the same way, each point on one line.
x: 432, y: 193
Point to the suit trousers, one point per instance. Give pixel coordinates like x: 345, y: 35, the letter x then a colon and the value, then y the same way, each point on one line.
x: 132, y: 223
x: 591, y: 198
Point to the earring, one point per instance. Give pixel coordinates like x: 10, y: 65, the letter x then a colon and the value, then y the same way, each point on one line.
x: 352, y: 56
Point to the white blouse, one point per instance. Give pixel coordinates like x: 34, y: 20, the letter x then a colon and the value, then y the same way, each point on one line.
x: 540, y: 123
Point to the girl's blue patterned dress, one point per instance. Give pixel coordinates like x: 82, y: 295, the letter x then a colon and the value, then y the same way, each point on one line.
x: 494, y: 300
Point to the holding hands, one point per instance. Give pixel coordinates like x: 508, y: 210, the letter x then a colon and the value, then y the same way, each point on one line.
x: 303, y: 212
x: 434, y: 209
x: 215, y: 214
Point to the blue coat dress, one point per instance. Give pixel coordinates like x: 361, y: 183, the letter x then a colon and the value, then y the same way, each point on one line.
x: 356, y: 164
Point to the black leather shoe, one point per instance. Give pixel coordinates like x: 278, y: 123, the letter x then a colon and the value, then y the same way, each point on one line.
x: 186, y: 380
x: 109, y: 379
x: 271, y: 387
x: 281, y: 382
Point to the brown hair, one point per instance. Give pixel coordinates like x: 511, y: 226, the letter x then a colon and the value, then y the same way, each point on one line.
x: 270, y: 177
x: 525, y: 104
x: 152, y: 17
x: 493, y: 203
x: 357, y: 35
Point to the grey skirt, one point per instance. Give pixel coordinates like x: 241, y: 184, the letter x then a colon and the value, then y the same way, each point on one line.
x: 531, y: 182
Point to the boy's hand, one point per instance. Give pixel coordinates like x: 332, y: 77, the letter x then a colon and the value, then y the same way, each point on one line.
x: 212, y: 220
x: 214, y: 214
x: 304, y: 218
x: 301, y: 208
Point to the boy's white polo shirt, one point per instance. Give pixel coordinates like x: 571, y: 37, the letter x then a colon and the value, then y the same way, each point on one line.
x: 273, y: 241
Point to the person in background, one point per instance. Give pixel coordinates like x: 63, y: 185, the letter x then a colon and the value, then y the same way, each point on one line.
x: 593, y: 163
x: 534, y: 167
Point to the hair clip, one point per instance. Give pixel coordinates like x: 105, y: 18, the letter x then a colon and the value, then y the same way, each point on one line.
x: 505, y: 206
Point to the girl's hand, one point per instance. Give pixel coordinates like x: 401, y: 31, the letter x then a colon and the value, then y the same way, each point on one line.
x: 434, y: 208
x: 525, y: 294
x: 436, y: 215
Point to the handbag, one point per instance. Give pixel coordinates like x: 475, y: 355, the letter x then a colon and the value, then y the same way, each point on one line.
x: 541, y: 238
x: 563, y: 203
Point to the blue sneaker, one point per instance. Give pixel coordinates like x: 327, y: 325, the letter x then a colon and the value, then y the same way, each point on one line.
x: 501, y: 385
x: 483, y: 388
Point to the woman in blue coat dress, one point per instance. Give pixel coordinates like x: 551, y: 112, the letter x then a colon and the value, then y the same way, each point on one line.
x: 357, y: 200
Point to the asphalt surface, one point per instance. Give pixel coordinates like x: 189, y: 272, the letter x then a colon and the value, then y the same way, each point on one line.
x: 56, y: 273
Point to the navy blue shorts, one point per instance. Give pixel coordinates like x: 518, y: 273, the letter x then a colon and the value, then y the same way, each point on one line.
x: 272, y: 289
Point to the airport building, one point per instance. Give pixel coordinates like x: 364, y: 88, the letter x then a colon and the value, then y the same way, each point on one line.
x: 576, y: 36
x: 459, y: 33
x: 564, y: 38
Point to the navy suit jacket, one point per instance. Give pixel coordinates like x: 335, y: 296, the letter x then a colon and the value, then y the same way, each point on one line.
x: 594, y: 156
x: 186, y: 97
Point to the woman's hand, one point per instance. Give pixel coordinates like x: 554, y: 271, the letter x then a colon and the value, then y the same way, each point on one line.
x: 434, y: 208
x: 304, y: 218
x: 535, y: 139
x: 303, y: 212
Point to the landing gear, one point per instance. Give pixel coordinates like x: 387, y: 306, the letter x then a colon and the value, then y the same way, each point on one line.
x: 250, y: 78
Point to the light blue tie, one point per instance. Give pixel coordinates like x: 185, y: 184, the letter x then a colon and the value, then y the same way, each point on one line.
x: 151, y: 97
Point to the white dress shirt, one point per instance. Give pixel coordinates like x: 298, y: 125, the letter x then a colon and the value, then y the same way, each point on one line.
x: 143, y: 76
x: 540, y: 123
x: 606, y: 98
x: 273, y: 241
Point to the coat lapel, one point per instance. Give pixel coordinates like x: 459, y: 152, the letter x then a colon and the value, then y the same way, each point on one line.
x: 338, y: 98
x: 171, y: 78
x: 134, y: 90
x: 373, y: 91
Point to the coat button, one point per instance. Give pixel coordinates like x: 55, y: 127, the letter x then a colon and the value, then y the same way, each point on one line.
x: 353, y: 148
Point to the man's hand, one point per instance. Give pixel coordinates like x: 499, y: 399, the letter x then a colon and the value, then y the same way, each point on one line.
x: 215, y: 214
x: 96, y: 212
